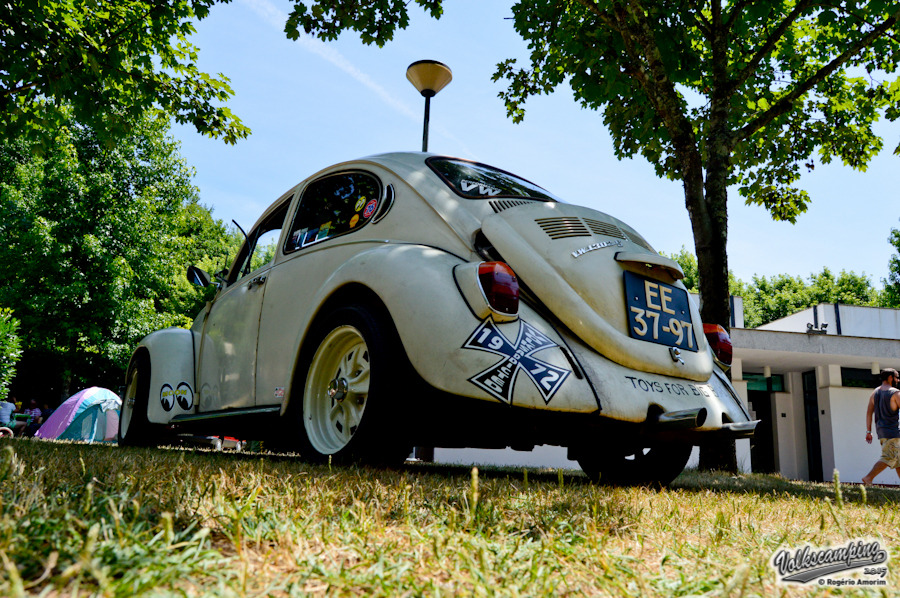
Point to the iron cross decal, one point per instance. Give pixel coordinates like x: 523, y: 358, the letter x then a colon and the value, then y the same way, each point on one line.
x: 499, y: 379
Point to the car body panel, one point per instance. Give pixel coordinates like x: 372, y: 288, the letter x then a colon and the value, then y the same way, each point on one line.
x: 571, y: 348
x: 227, y: 365
x: 586, y: 290
x: 172, y: 382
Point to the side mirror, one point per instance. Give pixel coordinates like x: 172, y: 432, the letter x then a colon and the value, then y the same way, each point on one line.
x: 197, y: 276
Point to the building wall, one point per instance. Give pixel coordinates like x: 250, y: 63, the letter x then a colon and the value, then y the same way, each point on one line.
x: 855, y: 320
x: 828, y: 380
x: 797, y: 322
x: 542, y: 456
x: 790, y: 435
x: 842, y: 413
x: 853, y: 458
x: 870, y: 321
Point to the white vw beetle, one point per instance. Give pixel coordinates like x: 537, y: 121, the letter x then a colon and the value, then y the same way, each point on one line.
x: 413, y: 299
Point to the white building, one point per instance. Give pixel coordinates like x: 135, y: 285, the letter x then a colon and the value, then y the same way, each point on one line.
x: 806, y: 377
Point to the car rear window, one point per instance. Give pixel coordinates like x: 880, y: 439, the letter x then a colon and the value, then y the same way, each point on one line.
x: 480, y: 181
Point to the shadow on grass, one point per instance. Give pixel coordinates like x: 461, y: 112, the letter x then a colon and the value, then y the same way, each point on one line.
x: 773, y: 485
x: 691, y: 481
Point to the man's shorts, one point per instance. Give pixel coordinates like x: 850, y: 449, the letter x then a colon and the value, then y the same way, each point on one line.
x: 890, y: 452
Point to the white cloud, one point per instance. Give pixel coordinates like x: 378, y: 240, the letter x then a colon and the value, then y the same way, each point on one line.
x: 277, y: 18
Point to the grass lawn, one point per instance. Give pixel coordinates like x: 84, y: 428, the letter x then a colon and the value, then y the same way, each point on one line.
x: 88, y: 520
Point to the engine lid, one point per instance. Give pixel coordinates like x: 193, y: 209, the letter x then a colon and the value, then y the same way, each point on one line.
x: 575, y: 260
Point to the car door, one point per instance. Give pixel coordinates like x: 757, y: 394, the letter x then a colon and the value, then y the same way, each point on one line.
x: 329, y: 215
x: 227, y: 367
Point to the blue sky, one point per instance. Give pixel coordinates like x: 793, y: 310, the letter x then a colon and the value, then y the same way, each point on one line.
x: 312, y: 104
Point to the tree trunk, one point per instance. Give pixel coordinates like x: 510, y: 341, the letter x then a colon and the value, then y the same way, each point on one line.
x: 712, y: 263
x: 711, y: 224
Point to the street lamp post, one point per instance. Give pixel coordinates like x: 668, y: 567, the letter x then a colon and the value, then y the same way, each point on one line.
x: 429, y: 77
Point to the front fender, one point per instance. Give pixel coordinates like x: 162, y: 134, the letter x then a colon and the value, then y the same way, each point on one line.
x: 172, y: 381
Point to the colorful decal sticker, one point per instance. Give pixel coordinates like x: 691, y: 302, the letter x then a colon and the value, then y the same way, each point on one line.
x: 297, y: 238
x: 354, y: 220
x: 279, y: 392
x: 360, y: 203
x: 184, y: 395
x: 310, y: 236
x: 167, y: 397
x: 370, y: 208
x: 499, y: 380
x: 324, y: 231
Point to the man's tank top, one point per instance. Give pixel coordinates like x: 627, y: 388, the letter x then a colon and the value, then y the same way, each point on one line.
x: 886, y: 420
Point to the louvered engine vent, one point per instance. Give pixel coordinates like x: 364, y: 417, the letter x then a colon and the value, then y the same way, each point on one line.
x: 604, y: 228
x: 504, y: 204
x: 638, y: 240
x: 563, y: 227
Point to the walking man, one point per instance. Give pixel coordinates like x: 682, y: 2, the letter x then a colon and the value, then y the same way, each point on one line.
x: 884, y: 404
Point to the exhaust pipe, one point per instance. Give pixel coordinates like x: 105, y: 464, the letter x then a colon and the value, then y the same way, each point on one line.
x: 677, y: 420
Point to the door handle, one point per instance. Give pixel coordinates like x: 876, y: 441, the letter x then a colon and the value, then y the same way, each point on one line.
x: 259, y: 280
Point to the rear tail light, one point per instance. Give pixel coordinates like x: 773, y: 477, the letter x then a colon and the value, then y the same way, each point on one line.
x: 500, y: 286
x: 720, y: 343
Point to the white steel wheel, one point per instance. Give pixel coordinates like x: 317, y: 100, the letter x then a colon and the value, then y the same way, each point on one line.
x: 336, y: 393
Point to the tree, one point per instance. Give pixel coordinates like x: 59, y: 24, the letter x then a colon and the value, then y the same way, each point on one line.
x: 691, y: 280
x: 770, y: 298
x: 891, y: 295
x: 109, y: 62
x: 711, y: 93
x: 10, y: 350
x: 94, y: 237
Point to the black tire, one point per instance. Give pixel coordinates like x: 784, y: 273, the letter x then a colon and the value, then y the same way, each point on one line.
x: 351, y: 403
x: 639, y: 465
x: 134, y: 427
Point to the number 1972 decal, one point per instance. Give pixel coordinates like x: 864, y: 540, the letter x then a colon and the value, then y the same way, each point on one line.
x: 500, y: 379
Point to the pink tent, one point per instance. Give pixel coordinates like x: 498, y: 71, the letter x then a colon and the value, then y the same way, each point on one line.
x: 90, y: 414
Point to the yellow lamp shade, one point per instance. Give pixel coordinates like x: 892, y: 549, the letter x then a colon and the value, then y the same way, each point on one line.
x: 429, y: 76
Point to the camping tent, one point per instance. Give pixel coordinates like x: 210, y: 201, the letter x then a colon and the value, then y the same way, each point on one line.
x: 90, y: 414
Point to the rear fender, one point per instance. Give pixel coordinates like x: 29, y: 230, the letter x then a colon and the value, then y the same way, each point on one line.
x: 172, y: 380
x: 439, y: 331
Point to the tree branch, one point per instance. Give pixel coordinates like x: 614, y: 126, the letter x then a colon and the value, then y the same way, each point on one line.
x: 702, y: 22
x: 764, y: 50
x: 736, y: 11
x: 785, y: 102
x: 102, y: 46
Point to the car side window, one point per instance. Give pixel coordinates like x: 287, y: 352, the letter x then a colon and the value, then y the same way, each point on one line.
x: 261, y: 244
x: 334, y: 205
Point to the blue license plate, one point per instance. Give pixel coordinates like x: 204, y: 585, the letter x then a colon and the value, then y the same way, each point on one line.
x: 658, y: 312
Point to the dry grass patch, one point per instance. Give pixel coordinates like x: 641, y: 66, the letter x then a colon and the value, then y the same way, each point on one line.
x: 102, y: 520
